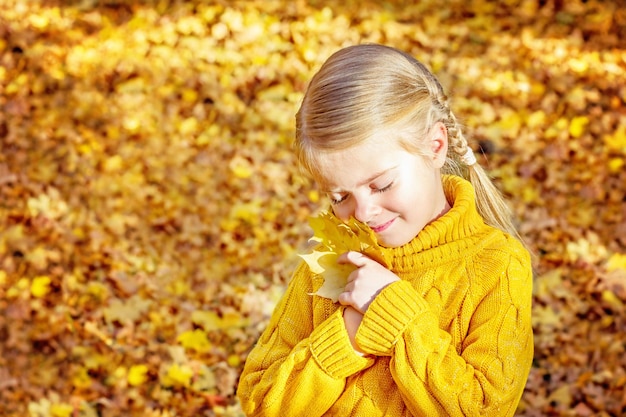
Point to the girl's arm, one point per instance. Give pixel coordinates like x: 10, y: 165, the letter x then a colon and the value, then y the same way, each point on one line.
x: 295, y: 361
x: 486, y: 377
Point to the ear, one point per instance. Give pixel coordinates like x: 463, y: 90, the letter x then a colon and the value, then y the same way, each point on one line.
x: 439, y: 144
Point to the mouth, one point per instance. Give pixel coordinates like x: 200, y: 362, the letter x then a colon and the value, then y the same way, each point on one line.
x: 382, y: 227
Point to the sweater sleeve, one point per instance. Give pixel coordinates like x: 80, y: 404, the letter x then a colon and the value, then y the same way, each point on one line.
x: 486, y: 377
x: 294, y: 361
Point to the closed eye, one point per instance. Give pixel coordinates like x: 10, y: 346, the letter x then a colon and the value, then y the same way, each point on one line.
x: 383, y: 189
x: 340, y: 199
x: 335, y: 201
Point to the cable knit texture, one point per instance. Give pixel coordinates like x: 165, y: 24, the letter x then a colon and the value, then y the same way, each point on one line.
x: 452, y: 338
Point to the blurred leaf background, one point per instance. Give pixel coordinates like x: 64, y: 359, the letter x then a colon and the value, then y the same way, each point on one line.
x: 151, y: 208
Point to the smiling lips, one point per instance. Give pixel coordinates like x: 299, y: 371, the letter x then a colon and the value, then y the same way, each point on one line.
x: 382, y: 227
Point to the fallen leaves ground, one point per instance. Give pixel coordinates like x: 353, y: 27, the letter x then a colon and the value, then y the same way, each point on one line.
x: 151, y: 210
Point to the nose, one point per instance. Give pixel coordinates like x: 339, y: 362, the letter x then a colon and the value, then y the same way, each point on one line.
x: 364, y: 209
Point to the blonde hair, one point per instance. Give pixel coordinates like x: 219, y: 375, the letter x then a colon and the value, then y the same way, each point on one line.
x: 364, y: 89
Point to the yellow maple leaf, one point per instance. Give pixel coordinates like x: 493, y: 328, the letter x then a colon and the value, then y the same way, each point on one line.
x: 210, y: 321
x: 61, y: 410
x: 40, y: 286
x: 616, y: 261
x: 616, y: 141
x: 577, y: 126
x: 335, y: 275
x: 179, y: 375
x: 334, y: 238
x: 137, y: 375
x: 81, y: 378
x: 195, y: 339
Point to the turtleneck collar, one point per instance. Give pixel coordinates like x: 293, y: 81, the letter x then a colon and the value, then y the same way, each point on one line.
x: 457, y: 231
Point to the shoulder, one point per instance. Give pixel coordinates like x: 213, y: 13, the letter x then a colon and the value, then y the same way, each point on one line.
x: 302, y: 279
x: 294, y: 304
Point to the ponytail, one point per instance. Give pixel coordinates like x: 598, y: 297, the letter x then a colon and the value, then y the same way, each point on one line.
x: 490, y: 203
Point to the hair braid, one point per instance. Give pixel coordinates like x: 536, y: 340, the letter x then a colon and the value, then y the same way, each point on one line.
x: 457, y: 143
x: 489, y: 200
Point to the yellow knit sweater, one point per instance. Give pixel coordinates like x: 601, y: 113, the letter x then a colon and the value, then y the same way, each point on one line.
x: 452, y: 338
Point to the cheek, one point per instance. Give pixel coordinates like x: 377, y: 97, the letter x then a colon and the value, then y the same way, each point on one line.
x: 406, y: 202
x: 342, y: 212
x: 397, y: 199
x: 346, y: 209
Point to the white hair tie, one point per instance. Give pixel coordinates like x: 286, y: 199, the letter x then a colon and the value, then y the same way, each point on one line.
x: 469, y: 159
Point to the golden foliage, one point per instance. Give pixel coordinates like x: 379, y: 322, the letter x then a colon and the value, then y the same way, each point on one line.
x: 334, y: 238
x: 152, y: 209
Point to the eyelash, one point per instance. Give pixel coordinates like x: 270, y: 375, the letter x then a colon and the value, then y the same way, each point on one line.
x: 336, y: 202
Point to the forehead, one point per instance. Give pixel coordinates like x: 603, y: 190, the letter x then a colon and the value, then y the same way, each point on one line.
x: 357, y: 165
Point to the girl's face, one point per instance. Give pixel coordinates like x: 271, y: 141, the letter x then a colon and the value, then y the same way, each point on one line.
x: 395, y: 192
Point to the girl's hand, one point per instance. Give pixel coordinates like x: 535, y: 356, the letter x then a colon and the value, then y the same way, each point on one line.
x: 365, y: 282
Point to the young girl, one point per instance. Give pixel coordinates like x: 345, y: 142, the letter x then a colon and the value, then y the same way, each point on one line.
x: 445, y: 328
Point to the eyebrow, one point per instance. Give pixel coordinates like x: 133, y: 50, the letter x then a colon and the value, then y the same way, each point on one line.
x: 367, y: 181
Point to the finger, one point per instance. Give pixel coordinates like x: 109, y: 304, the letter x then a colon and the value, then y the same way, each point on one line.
x: 349, y: 284
x: 345, y: 299
x: 355, y: 258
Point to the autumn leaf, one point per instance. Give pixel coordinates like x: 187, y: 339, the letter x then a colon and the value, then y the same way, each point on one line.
x: 195, y: 339
x: 617, y: 261
x: 61, y: 410
x: 210, y: 321
x: 125, y: 311
x: 577, y: 126
x: 81, y: 378
x: 137, y: 375
x: 334, y: 238
x: 178, y: 375
x: 335, y: 275
x: 40, y: 286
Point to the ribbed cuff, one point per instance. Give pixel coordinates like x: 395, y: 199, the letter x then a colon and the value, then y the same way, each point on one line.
x: 387, y: 318
x: 331, y: 348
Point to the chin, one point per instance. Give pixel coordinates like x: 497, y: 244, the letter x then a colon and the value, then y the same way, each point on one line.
x: 393, y: 244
